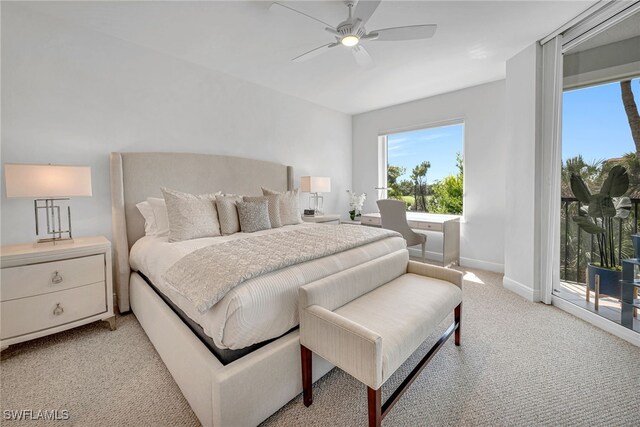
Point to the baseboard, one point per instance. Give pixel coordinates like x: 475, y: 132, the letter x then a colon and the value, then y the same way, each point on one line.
x: 465, y: 262
x: 520, y: 289
x: 482, y: 265
x: 598, y: 321
x: 431, y: 256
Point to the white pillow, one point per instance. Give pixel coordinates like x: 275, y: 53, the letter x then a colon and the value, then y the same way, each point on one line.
x: 150, y: 227
x: 289, y: 210
x: 191, y: 216
x: 159, y: 208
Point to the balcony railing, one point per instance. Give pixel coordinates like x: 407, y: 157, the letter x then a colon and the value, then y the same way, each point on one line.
x: 578, y: 248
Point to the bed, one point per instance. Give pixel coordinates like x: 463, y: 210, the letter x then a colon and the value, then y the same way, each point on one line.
x: 231, y: 370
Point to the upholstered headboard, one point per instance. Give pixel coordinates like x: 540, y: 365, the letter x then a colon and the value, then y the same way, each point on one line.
x: 136, y: 176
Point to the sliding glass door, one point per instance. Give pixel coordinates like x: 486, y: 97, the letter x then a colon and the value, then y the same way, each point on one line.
x: 600, y: 176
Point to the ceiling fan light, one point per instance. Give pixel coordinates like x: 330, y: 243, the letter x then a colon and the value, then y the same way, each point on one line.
x: 350, y: 41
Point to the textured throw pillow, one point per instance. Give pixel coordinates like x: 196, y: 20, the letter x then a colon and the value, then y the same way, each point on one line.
x: 254, y: 216
x: 146, y: 210
x: 289, y: 210
x: 273, y: 205
x: 228, y: 214
x: 159, y: 208
x: 191, y: 216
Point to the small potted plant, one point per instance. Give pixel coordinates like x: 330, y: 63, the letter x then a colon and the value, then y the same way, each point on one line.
x: 356, y: 202
x: 596, y: 217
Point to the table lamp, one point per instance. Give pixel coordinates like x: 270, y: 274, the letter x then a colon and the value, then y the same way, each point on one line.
x: 48, y: 184
x: 315, y: 185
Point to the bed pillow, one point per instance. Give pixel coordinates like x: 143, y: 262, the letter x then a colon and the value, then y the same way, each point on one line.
x: 254, y: 216
x: 159, y: 208
x: 273, y: 205
x: 289, y: 209
x: 146, y: 210
x: 191, y: 216
x: 228, y: 214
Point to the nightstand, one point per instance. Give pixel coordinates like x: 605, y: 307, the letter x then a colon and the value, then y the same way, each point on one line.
x: 51, y: 288
x: 322, y: 218
x: 349, y: 221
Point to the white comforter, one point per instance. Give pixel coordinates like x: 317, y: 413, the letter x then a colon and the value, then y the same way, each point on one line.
x: 261, y: 308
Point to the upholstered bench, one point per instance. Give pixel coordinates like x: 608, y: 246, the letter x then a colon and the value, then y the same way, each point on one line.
x: 369, y: 319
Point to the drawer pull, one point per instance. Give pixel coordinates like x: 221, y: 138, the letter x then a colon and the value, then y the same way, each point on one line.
x: 58, y: 310
x: 56, y: 278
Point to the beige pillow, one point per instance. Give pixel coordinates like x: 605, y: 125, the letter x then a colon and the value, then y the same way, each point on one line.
x: 273, y: 204
x: 289, y: 210
x: 191, y: 216
x: 228, y: 214
x: 254, y: 216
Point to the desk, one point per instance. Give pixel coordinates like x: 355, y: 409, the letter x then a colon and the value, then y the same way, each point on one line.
x: 448, y: 225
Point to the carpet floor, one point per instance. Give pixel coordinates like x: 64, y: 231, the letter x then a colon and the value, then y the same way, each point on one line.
x: 520, y: 364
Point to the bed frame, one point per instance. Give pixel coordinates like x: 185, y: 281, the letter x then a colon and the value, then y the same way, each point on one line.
x: 250, y: 389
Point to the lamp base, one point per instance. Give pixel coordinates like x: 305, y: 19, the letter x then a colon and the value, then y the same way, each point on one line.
x: 52, y: 241
x: 53, y: 221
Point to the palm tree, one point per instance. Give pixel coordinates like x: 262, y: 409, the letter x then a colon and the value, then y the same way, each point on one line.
x: 418, y: 175
x: 631, y: 109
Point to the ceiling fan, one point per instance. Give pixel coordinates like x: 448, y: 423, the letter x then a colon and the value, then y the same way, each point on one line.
x: 352, y: 32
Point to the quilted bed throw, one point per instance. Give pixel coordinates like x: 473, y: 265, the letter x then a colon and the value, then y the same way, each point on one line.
x: 206, y: 275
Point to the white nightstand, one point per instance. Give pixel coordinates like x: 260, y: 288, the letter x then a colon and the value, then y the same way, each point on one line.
x: 322, y: 218
x: 48, y: 289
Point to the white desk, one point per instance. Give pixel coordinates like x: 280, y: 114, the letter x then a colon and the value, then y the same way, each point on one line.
x: 448, y: 225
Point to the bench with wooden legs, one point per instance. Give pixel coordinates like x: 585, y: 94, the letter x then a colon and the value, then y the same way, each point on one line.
x: 368, y: 320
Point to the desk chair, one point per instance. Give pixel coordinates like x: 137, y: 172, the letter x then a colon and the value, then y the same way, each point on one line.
x: 393, y: 214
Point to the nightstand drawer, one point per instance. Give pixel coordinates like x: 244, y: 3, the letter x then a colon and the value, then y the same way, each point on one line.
x: 37, y: 279
x: 26, y: 315
x: 430, y: 226
x: 367, y: 220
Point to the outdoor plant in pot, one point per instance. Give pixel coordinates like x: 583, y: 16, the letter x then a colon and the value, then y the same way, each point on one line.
x: 598, y: 217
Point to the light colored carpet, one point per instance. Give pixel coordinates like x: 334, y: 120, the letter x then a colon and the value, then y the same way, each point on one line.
x: 519, y: 364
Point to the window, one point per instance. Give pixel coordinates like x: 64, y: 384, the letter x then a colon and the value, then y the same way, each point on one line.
x: 424, y: 168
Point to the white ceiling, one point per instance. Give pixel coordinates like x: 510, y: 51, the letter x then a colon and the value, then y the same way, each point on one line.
x: 250, y: 41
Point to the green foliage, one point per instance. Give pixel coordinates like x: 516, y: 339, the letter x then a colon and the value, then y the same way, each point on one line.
x: 409, y: 200
x: 440, y: 197
x: 419, y: 177
x: 447, y: 194
x: 601, y: 209
x: 393, y: 173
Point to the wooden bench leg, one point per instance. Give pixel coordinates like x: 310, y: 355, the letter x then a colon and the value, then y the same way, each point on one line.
x: 457, y: 314
x: 375, y: 406
x: 307, y: 377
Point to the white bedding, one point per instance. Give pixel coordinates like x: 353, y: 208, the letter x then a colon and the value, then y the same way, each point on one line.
x: 261, y: 308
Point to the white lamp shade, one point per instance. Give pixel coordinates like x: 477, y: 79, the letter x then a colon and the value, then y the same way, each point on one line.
x: 47, y: 181
x: 315, y: 184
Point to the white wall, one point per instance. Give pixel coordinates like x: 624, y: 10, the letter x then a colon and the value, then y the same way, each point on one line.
x: 483, y: 110
x: 521, y: 264
x: 71, y: 96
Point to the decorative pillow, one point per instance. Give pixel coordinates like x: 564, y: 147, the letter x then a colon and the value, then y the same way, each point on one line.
x: 254, y: 216
x: 159, y: 208
x: 191, y: 216
x: 228, y: 214
x: 289, y: 210
x: 146, y: 210
x: 273, y: 204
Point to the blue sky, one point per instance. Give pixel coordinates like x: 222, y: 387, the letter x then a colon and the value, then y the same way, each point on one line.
x: 594, y: 123
x: 437, y: 145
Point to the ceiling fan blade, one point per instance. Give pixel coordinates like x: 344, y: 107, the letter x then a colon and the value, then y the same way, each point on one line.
x: 365, y: 8
x: 314, y: 52
x: 281, y: 7
x: 361, y: 56
x: 410, y: 32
